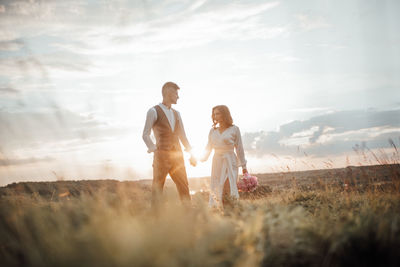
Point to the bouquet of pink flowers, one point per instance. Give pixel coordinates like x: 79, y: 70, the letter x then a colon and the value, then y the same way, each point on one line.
x: 247, y: 183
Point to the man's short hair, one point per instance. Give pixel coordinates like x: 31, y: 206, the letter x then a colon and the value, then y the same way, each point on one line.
x: 169, y: 85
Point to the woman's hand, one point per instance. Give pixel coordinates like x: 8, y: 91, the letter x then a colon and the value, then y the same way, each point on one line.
x: 204, y: 157
x: 244, y: 171
x: 193, y: 161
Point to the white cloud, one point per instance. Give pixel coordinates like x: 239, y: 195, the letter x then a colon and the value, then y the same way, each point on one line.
x: 314, y: 109
x: 90, y: 37
x: 328, y: 134
x: 309, y: 23
x: 8, y: 90
x: 10, y: 46
x: 22, y: 161
x: 300, y: 138
x: 181, y: 30
x: 7, y: 35
x: 240, y: 12
x: 197, y: 4
x: 367, y: 134
x: 51, y: 128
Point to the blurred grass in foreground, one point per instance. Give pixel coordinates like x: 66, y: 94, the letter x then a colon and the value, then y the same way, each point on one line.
x: 285, y: 228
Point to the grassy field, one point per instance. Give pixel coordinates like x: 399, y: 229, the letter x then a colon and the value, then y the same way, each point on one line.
x: 338, y: 217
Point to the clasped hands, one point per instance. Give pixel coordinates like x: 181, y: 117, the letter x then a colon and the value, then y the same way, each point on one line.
x: 193, y: 160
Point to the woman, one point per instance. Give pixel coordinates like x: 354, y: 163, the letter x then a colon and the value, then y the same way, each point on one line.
x: 224, y: 137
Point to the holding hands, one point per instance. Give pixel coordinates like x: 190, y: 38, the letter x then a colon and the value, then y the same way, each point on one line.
x: 193, y: 160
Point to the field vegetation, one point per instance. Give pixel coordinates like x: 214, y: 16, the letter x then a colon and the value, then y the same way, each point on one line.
x: 335, y: 217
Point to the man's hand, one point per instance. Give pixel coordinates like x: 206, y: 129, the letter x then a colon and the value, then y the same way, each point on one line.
x: 193, y: 161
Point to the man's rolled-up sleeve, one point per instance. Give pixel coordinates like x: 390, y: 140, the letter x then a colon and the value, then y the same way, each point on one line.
x: 182, y: 135
x: 150, y: 119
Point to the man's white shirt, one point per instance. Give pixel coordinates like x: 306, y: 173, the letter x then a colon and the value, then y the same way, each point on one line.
x: 151, y: 119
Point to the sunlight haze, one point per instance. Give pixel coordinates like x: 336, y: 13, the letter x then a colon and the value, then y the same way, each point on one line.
x: 306, y: 81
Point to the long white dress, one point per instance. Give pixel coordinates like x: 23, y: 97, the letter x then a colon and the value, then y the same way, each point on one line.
x: 225, y: 162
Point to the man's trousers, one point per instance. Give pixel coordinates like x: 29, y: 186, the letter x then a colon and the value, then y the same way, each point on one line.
x: 169, y: 162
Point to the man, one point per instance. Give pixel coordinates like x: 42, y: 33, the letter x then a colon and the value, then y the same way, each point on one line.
x: 168, y: 129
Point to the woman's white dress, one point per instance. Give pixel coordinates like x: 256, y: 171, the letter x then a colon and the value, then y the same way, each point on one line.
x: 225, y: 162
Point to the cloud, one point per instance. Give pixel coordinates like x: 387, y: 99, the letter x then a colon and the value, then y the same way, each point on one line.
x: 144, y: 28
x: 64, y: 41
x: 11, y: 162
x: 66, y: 61
x: 186, y: 29
x: 8, y: 90
x: 308, y: 22
x: 21, y: 68
x: 56, y: 126
x: 7, y: 35
x: 334, y: 133
x: 45, y: 67
x: 14, y: 45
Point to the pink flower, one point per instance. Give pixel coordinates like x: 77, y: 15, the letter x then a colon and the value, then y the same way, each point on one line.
x: 247, y: 183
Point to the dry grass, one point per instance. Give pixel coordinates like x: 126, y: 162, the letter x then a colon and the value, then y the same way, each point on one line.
x: 323, y: 223
x: 283, y: 228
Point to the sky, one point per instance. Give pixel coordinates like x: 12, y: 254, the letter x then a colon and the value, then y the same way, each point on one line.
x: 311, y: 84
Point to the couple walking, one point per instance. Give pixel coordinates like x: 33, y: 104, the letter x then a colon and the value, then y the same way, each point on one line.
x: 224, y: 138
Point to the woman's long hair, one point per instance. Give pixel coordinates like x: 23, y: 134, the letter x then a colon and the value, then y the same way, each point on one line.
x: 226, y: 116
